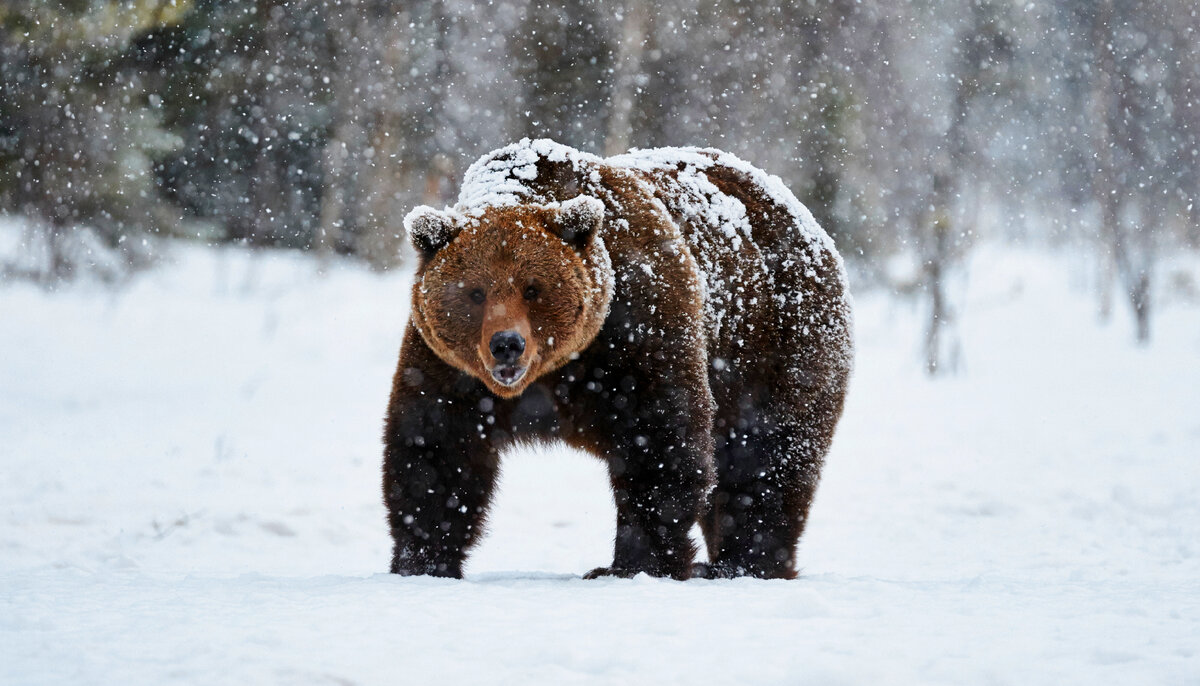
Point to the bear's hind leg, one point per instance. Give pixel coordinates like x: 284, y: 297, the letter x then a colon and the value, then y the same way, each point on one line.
x: 659, y: 453
x: 767, y: 475
x: 748, y: 534
x: 657, y: 500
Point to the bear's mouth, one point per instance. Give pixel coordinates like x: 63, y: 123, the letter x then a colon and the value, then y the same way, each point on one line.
x: 508, y: 374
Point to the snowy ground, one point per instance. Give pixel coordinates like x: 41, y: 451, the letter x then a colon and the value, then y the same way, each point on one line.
x: 189, y: 488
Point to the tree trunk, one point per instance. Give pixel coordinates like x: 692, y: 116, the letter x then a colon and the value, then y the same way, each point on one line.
x: 333, y: 200
x: 1108, y: 90
x: 1105, y: 282
x: 625, y: 81
x: 939, y: 310
x: 1139, y: 297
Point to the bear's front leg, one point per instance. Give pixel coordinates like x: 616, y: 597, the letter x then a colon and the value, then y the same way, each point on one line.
x: 658, y: 447
x: 438, y: 475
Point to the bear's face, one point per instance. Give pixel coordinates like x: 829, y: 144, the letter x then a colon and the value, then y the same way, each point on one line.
x: 513, y: 292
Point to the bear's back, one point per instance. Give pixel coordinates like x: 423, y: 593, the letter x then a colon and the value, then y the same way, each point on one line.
x: 728, y: 199
x: 771, y: 274
x: 750, y: 236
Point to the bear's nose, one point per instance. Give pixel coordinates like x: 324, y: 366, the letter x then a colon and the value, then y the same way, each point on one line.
x: 507, y: 346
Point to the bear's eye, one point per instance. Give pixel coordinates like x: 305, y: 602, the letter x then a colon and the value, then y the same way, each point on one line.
x: 532, y: 292
x: 477, y: 296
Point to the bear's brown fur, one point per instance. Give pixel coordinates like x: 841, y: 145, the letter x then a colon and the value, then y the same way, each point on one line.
x: 675, y: 312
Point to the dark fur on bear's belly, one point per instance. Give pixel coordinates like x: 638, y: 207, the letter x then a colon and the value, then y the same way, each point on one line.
x: 725, y: 426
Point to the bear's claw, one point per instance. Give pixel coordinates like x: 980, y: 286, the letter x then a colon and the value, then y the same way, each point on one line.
x: 609, y: 571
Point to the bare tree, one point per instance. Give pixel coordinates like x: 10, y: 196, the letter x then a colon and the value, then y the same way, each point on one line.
x: 627, y: 75
x: 1136, y: 132
x: 981, y: 50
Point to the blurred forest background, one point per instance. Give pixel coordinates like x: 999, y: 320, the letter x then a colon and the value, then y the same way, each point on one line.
x: 911, y: 129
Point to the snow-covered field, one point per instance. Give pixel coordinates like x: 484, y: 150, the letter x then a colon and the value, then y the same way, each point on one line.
x: 190, y: 495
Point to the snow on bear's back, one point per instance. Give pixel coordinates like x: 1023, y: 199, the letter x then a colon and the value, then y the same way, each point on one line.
x: 509, y: 176
x: 727, y: 215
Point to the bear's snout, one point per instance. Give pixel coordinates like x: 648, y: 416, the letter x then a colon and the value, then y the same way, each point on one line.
x: 507, y: 350
x: 507, y: 346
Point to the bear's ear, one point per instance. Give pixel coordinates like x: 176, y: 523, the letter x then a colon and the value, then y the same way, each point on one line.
x: 429, y: 230
x: 578, y: 218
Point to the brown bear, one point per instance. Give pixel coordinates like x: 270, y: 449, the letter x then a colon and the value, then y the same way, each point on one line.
x: 675, y: 312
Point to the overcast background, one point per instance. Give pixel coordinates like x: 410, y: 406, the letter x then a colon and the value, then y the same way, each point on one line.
x: 911, y: 129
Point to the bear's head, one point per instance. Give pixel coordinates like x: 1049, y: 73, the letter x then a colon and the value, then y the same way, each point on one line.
x: 509, y: 293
